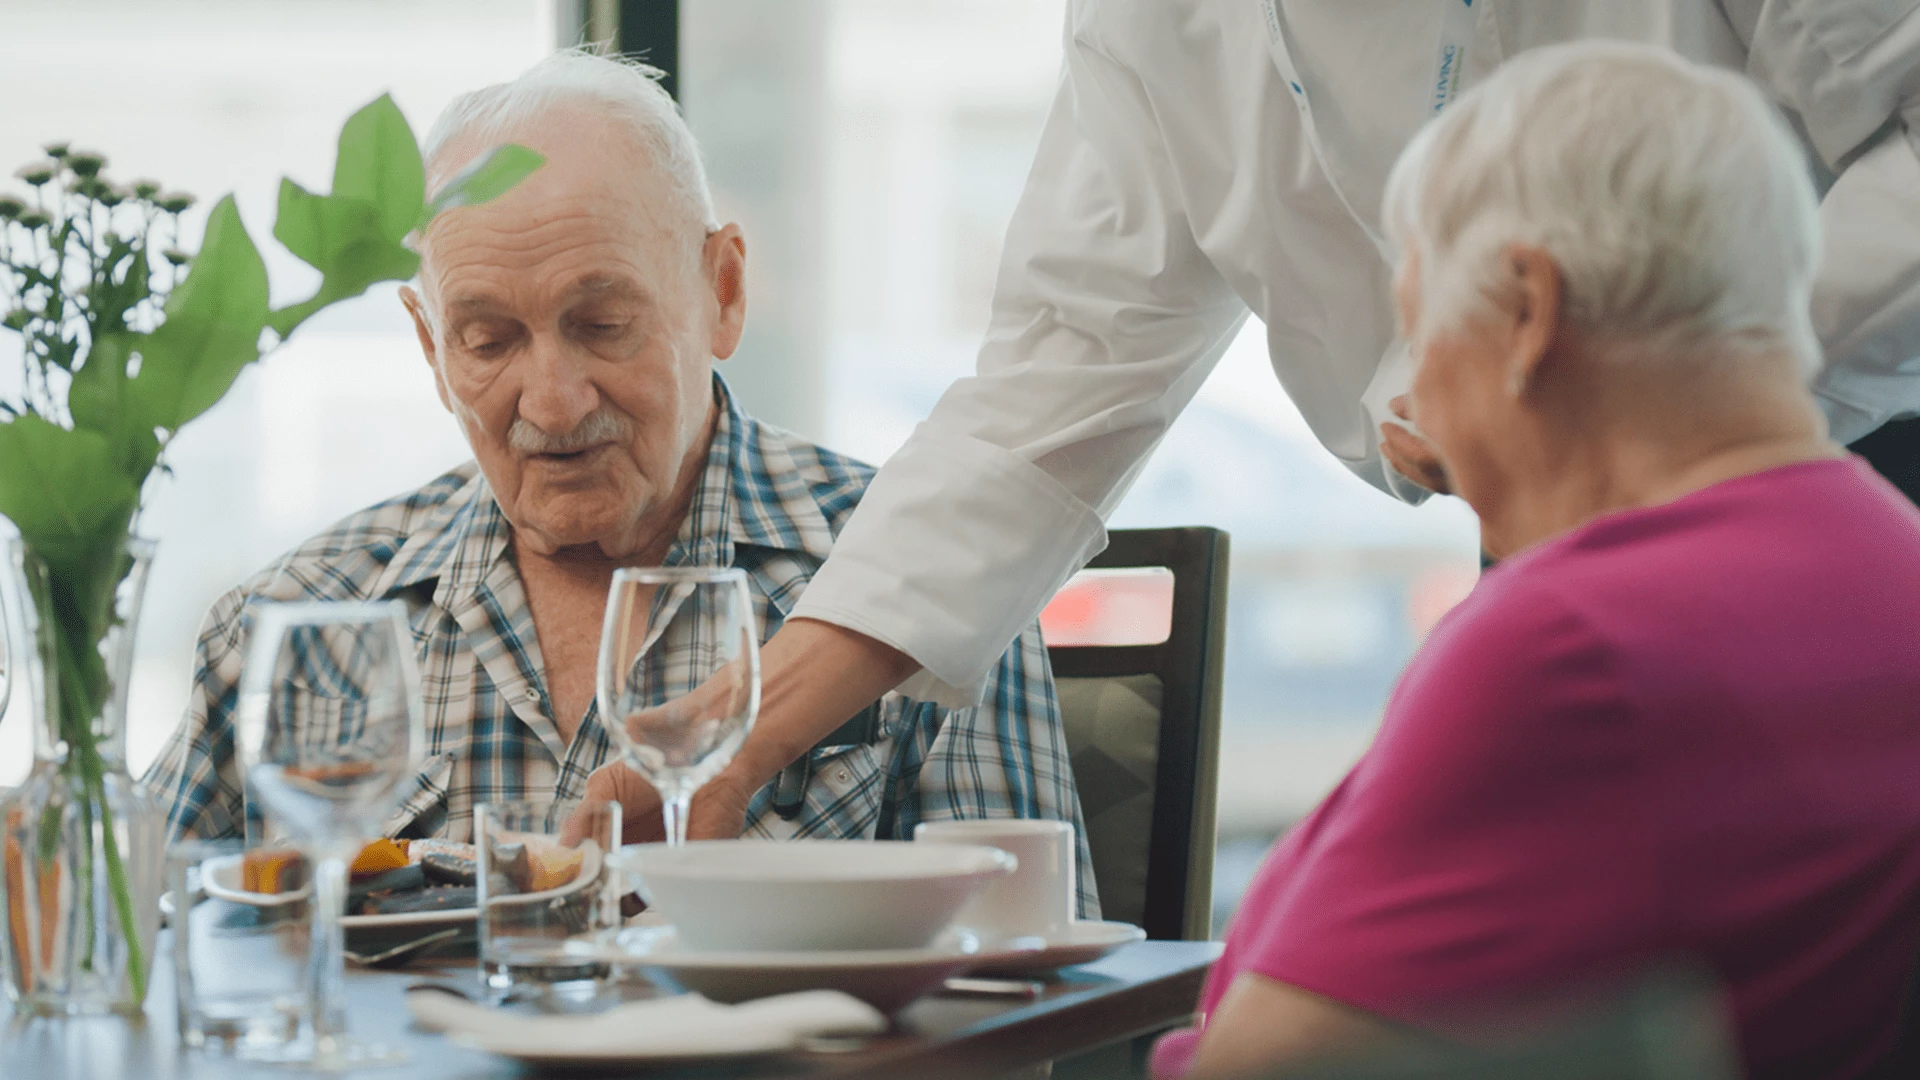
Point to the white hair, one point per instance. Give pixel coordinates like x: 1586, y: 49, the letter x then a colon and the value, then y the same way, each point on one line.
x: 1673, y: 198
x: 628, y: 90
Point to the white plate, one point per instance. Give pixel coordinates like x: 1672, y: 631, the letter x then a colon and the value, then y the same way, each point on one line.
x: 1082, y: 943
x: 220, y: 878
x: 887, y: 979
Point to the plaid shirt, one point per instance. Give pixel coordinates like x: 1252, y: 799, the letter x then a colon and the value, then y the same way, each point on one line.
x: 769, y: 503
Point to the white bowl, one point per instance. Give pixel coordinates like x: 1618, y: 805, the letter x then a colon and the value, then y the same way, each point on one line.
x: 811, y: 895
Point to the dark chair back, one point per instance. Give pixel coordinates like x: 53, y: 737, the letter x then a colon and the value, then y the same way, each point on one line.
x: 1903, y: 1058
x: 1143, y: 728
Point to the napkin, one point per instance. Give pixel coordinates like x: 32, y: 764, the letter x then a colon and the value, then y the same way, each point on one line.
x: 687, y: 1025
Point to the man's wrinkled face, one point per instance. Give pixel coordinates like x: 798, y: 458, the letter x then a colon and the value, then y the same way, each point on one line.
x: 572, y: 330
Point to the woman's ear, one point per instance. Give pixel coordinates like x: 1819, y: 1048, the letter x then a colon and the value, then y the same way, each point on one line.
x: 1535, y: 289
x: 726, y: 271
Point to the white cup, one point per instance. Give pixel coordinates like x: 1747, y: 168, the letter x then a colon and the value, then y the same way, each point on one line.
x: 1037, y: 899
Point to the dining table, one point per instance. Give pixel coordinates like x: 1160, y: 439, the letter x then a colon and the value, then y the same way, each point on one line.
x: 1140, y: 989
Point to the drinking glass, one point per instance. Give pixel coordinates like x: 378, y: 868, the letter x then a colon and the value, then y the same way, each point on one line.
x: 548, y: 895
x: 239, y: 970
x: 330, y: 734
x: 679, y: 677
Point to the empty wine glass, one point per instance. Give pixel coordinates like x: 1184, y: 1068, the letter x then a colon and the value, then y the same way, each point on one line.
x: 679, y: 677
x: 331, y: 736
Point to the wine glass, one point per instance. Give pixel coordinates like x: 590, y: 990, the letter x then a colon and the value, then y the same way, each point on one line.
x: 330, y: 733
x: 679, y: 677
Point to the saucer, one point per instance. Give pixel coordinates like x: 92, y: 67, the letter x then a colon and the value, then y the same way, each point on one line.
x: 887, y: 979
x: 1083, y: 942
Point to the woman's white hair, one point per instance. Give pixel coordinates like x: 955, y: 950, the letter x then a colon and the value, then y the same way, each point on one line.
x: 1672, y: 196
x: 626, y: 89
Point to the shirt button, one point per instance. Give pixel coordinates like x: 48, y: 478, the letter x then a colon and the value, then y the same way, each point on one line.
x: 843, y: 776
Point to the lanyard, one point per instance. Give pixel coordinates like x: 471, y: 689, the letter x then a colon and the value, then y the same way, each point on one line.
x: 1456, y: 32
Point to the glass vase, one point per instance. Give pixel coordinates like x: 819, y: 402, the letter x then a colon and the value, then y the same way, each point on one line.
x: 81, y: 844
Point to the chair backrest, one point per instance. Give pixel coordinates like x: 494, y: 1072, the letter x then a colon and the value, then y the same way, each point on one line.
x: 1143, y: 729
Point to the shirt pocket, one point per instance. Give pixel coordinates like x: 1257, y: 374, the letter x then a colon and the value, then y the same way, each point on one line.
x: 845, y: 793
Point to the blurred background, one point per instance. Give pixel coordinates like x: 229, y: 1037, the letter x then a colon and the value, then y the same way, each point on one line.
x: 873, y: 151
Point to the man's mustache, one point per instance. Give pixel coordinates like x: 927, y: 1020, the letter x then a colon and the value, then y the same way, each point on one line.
x: 601, y: 426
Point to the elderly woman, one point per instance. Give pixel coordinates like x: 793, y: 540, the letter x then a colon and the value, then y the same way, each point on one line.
x: 1682, y: 717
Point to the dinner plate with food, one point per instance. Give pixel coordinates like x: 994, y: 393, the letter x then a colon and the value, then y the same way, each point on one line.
x: 413, y: 885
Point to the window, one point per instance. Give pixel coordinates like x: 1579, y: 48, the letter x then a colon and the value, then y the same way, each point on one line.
x: 873, y: 151
x: 928, y: 112
x: 214, y: 96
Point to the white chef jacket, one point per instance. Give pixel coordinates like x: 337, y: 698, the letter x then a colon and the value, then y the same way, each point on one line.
x: 1204, y: 158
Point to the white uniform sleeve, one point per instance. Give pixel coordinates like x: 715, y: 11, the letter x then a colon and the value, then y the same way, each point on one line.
x: 1850, y: 70
x: 1106, y: 319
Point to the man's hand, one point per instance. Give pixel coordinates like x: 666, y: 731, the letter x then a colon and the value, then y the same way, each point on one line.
x: 719, y: 809
x: 814, y: 676
x: 1412, y: 456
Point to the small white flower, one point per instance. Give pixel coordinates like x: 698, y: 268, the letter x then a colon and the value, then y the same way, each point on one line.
x: 86, y: 162
x: 37, y: 173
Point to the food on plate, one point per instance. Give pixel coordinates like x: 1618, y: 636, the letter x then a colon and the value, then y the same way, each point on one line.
x: 420, y: 849
x: 551, y: 865
x: 431, y: 898
x: 272, y: 870
x: 447, y: 870
x: 379, y: 857
x: 398, y: 877
x: 380, y: 886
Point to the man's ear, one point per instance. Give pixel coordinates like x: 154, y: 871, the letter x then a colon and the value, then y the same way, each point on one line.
x: 725, y: 262
x: 1536, y: 290
x: 423, y: 329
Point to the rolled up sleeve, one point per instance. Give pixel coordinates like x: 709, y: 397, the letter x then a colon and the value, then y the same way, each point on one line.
x: 1106, y: 319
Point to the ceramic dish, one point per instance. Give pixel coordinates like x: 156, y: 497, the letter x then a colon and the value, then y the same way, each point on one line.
x: 811, y: 895
x: 1082, y: 943
x: 887, y: 979
x: 220, y: 879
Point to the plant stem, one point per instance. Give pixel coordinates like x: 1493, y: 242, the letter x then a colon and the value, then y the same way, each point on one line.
x: 78, y: 705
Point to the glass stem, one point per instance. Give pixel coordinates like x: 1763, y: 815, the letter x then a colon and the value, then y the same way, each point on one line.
x: 326, y: 965
x: 674, y: 808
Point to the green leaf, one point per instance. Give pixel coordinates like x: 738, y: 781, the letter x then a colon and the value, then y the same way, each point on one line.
x: 212, y: 327
x: 485, y: 180
x: 344, y: 239
x: 98, y: 400
x: 63, y: 490
x: 379, y: 163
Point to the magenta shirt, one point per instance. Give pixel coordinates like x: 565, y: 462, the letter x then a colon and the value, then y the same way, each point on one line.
x: 1686, y: 730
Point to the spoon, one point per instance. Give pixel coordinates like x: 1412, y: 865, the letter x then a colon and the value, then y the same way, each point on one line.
x: 404, y: 951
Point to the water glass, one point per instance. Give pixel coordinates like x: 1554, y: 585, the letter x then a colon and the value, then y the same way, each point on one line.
x: 239, y: 970
x: 548, y: 895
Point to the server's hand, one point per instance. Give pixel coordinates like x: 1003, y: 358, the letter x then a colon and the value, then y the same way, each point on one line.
x: 1411, y: 455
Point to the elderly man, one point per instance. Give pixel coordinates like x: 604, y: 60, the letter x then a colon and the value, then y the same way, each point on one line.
x: 1679, y: 720
x: 572, y: 327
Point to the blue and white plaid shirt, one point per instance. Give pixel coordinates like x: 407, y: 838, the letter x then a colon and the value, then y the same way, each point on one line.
x: 769, y: 503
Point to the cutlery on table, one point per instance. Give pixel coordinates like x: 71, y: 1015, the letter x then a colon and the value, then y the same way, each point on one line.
x: 402, y: 952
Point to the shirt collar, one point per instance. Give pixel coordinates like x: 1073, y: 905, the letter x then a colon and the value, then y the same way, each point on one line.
x: 751, y: 494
